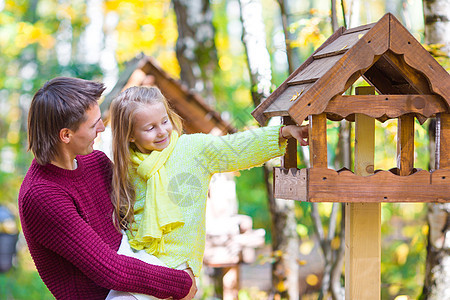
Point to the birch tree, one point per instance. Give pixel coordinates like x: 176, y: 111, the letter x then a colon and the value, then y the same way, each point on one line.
x: 285, y: 243
x: 437, y: 272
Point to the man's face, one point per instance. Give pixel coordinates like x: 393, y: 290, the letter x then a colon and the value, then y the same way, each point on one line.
x: 82, y: 140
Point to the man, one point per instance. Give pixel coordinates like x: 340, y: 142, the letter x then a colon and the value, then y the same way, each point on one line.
x: 65, y: 207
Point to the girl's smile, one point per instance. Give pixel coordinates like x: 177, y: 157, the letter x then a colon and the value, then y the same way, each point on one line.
x: 152, y: 128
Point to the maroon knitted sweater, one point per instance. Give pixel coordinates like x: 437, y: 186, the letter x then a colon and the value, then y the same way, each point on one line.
x: 66, y: 218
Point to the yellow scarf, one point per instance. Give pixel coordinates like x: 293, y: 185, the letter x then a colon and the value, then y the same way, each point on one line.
x: 160, y: 214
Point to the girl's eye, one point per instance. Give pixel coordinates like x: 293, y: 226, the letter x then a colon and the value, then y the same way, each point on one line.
x: 165, y: 121
x: 149, y: 129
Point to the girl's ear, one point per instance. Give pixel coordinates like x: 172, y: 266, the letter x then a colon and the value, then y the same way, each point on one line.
x: 131, y: 140
x: 65, y: 135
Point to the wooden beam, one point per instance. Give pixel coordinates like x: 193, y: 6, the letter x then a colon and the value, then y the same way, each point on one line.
x: 415, y: 79
x: 326, y: 185
x: 405, y: 144
x: 443, y: 141
x: 289, y: 160
x: 392, y: 106
x: 417, y: 57
x: 363, y: 220
x: 318, y: 141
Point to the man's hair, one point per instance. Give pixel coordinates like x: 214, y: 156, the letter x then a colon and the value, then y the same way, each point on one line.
x: 59, y: 103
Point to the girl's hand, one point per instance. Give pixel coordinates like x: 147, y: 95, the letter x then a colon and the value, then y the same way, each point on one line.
x: 300, y: 133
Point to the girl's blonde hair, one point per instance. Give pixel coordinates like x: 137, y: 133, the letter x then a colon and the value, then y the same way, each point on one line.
x: 123, y: 110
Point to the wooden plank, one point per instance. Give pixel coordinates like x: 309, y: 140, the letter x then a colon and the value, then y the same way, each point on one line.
x: 344, y: 73
x: 363, y: 220
x: 440, y: 180
x: 392, y: 106
x: 285, y: 100
x: 341, y: 44
x: 290, y: 184
x: 415, y: 79
x: 405, y: 144
x: 315, y: 70
x: 258, y: 113
x: 443, y: 141
x: 387, y: 79
x: 403, y: 43
x: 327, y: 185
x: 289, y: 160
x: 359, y: 28
x: 318, y: 156
x: 362, y: 251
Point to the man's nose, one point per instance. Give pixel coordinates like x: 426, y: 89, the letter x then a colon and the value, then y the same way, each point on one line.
x: 101, y: 126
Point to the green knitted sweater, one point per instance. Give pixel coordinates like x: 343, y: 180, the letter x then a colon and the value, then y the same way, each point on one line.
x: 194, y: 160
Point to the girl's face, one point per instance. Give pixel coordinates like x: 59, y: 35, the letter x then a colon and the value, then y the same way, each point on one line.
x: 152, y: 128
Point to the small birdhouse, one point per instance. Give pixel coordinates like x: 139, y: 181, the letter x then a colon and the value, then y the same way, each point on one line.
x: 406, y: 82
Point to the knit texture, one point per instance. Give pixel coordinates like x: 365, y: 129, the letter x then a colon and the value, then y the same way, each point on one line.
x: 194, y: 160
x: 66, y: 218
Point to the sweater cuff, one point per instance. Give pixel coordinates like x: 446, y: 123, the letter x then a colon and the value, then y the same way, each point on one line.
x: 183, y: 286
x: 276, y: 145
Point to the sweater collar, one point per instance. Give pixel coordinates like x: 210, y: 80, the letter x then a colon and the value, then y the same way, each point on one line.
x: 64, y: 172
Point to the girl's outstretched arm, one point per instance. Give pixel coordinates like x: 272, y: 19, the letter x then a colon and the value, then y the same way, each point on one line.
x: 244, y: 149
x: 300, y: 133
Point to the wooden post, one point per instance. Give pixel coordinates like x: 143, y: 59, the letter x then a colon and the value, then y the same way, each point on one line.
x: 443, y: 141
x: 405, y: 144
x: 318, y: 141
x: 363, y: 220
x: 289, y: 160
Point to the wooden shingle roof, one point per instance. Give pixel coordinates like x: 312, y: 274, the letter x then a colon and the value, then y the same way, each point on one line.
x: 386, y: 55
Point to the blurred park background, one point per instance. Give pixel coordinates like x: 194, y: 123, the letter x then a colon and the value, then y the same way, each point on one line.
x: 233, y: 53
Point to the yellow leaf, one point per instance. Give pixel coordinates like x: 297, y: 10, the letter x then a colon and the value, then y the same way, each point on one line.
x: 277, y: 253
x: 281, y: 287
x: 401, y: 253
x: 306, y: 247
x: 312, y: 280
x: 393, y: 289
x: 335, y: 243
x: 225, y: 63
x: 425, y: 229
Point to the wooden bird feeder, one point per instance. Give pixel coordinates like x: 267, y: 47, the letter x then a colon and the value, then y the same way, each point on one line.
x: 405, y: 82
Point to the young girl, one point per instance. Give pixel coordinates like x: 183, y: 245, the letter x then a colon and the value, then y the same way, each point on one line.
x: 161, y: 176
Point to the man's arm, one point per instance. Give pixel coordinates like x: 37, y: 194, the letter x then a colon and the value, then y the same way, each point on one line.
x: 58, y: 226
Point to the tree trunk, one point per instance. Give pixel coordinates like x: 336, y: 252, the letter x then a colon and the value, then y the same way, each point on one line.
x: 195, y: 47
x: 437, y: 272
x: 285, y: 269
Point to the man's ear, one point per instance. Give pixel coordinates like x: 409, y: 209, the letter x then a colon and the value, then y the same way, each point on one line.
x: 65, y: 135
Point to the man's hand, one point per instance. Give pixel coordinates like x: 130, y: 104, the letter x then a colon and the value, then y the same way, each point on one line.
x: 300, y: 133
x: 193, y: 289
